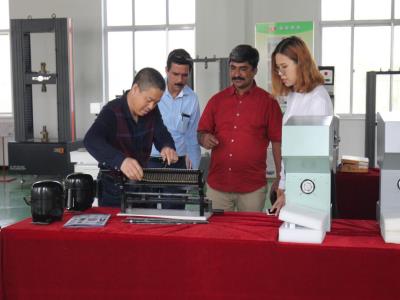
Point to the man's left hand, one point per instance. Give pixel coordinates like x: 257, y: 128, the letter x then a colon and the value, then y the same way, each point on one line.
x: 168, y: 154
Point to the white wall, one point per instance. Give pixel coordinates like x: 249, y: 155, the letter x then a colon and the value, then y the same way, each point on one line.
x: 220, y: 26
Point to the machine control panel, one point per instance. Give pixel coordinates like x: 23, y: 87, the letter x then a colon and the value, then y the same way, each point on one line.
x: 307, y: 186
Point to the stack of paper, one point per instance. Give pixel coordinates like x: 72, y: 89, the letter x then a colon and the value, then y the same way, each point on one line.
x: 88, y: 220
x: 354, y: 164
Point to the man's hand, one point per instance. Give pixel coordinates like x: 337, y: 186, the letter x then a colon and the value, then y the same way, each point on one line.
x: 132, y: 169
x: 188, y: 162
x: 207, y: 140
x: 280, y: 202
x: 168, y: 154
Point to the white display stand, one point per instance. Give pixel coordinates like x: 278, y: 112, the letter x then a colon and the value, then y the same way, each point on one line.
x: 388, y: 155
x: 389, y: 222
x: 303, y: 224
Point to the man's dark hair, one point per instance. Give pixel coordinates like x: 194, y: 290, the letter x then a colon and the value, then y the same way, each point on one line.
x: 179, y: 57
x: 245, y: 53
x: 149, y: 78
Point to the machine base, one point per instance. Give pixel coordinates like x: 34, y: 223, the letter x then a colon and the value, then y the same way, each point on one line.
x: 179, y: 214
x: 305, y: 216
x: 42, y: 158
x: 289, y: 232
x: 390, y: 224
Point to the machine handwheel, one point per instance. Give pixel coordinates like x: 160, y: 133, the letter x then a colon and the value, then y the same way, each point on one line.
x: 398, y: 184
x: 307, y: 186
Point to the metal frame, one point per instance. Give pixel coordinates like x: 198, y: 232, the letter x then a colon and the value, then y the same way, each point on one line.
x: 370, y: 113
x: 24, y: 77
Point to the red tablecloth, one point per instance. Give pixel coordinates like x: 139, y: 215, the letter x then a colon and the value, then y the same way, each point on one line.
x: 235, y: 256
x: 357, y: 194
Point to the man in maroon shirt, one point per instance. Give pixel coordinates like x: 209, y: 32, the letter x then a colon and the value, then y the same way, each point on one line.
x: 238, y: 124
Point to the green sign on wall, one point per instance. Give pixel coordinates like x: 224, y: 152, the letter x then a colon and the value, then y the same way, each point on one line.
x: 268, y: 35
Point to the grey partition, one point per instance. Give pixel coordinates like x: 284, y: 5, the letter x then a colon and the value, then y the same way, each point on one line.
x: 370, y: 113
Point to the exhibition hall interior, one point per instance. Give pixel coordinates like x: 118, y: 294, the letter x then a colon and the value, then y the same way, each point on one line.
x: 198, y: 149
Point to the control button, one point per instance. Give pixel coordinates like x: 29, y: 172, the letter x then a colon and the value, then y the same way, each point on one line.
x: 230, y: 169
x: 232, y: 140
x: 230, y: 154
x: 234, y: 127
x: 237, y: 115
x: 307, y: 186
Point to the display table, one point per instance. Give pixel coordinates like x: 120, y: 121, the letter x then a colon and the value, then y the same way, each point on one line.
x: 235, y: 256
x: 357, y: 194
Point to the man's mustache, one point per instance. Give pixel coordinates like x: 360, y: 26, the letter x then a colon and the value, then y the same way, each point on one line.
x: 237, y: 78
x: 179, y: 84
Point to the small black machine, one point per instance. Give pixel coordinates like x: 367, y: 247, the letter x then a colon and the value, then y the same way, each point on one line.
x: 149, y: 190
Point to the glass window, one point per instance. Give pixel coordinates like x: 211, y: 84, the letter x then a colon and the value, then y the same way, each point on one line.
x: 397, y: 9
x: 396, y: 49
x: 145, y: 39
x: 332, y: 10
x: 339, y: 57
x: 369, y: 49
x: 372, y: 9
x: 150, y: 50
x: 5, y: 75
x: 119, y: 13
x: 371, y: 53
x: 120, y: 62
x: 396, y: 93
x: 181, y: 39
x: 4, y: 20
x: 150, y: 12
x: 181, y: 11
x: 396, y: 67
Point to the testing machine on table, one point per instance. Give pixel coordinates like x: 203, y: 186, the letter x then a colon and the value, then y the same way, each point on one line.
x: 309, y: 150
x: 388, y: 150
x: 189, y: 187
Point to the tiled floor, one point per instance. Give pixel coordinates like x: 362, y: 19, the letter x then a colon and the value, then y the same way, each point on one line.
x: 12, y: 205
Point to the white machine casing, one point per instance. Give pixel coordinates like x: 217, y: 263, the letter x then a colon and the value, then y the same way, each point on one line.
x: 388, y: 156
x: 309, y: 151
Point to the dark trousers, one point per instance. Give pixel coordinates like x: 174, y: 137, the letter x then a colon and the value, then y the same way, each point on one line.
x: 156, y: 162
x: 110, y: 193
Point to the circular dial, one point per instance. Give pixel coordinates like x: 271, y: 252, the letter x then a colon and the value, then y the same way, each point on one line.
x: 307, y: 186
x: 398, y: 184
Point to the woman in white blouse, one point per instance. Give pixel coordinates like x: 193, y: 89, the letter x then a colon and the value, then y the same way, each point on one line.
x: 296, y: 77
